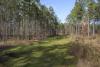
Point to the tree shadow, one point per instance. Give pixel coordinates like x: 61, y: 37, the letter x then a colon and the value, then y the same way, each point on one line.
x: 38, y: 56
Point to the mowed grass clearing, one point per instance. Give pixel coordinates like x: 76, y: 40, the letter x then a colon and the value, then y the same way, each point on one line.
x: 52, y: 52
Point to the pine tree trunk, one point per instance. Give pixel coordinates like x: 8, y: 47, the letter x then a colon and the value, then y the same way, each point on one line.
x: 88, y: 28
x: 93, y: 28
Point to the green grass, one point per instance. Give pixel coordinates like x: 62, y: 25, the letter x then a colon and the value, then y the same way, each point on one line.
x: 53, y: 52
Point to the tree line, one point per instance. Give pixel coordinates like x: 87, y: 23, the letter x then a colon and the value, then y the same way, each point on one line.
x: 27, y: 19
x: 84, y: 17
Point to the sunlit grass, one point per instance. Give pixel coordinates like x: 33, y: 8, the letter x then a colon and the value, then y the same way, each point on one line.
x: 53, y: 52
x: 61, y: 41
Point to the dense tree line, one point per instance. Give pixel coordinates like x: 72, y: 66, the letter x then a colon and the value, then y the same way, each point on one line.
x: 27, y: 19
x: 84, y: 14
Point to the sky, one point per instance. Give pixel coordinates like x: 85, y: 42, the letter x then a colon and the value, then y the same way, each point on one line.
x: 62, y: 8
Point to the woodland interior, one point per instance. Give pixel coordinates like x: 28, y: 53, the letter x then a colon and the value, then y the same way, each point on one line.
x: 32, y: 35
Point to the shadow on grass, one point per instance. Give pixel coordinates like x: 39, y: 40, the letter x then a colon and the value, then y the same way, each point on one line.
x: 37, y: 56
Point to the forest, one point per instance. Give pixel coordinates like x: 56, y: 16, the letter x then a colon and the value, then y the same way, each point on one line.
x: 27, y: 19
x: 32, y: 35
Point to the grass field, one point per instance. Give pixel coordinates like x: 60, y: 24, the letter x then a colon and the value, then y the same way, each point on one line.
x: 52, y: 52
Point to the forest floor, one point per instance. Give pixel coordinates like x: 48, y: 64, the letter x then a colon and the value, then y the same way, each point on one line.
x: 60, y: 51
x: 87, y: 50
x: 92, y: 41
x: 52, y: 52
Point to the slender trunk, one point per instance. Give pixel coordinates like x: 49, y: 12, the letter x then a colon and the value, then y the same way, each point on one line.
x: 94, y: 28
x: 88, y: 28
x: 76, y: 29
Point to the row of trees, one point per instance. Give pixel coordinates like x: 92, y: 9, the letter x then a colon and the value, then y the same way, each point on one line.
x: 27, y: 19
x: 82, y: 14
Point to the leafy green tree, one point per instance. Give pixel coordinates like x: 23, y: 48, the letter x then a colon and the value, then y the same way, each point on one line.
x: 76, y: 16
